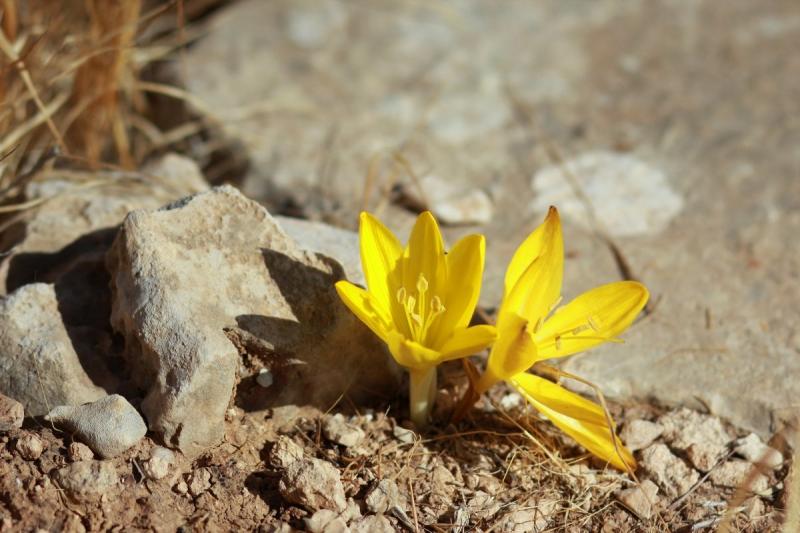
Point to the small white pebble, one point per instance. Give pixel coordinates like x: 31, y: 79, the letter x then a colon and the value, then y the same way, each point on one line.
x: 265, y: 378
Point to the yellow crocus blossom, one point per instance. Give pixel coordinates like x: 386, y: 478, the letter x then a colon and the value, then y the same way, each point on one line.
x: 419, y: 300
x: 532, y: 328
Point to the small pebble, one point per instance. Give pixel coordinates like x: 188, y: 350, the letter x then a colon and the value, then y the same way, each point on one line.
x: 733, y: 474
x: 199, y: 481
x: 314, y: 484
x: 338, y: 430
x: 639, y: 434
x: 382, y: 497
x: 78, y: 451
x: 29, y: 446
x: 110, y: 425
x: 640, y: 499
x: 265, y: 378
x: 284, y: 452
x: 85, y: 481
x: 754, y: 450
x: 403, y: 435
x: 161, y: 459
x: 669, y: 472
x: 181, y: 487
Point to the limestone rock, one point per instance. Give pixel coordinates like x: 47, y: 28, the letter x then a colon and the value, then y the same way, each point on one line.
x: 80, y: 225
x: 11, y: 413
x: 755, y: 451
x: 78, y: 451
x: 217, y: 263
x: 336, y: 243
x: 668, y: 471
x: 701, y: 436
x: 639, y: 434
x: 337, y: 429
x: 640, y: 499
x: 284, y: 452
x: 314, y: 484
x: 735, y: 473
x: 109, y: 425
x: 383, y: 496
x: 630, y: 197
x: 29, y: 446
x: 87, y: 481
x: 451, y: 202
x: 43, y: 362
x: 326, y: 521
x: 160, y: 462
x: 372, y: 524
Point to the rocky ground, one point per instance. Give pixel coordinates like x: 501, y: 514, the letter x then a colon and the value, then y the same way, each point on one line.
x: 173, y: 355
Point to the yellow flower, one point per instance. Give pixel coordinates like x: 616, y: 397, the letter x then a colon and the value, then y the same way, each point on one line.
x: 530, y: 329
x: 419, y: 300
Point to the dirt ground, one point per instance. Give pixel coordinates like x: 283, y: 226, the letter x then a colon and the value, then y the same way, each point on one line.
x: 502, y: 469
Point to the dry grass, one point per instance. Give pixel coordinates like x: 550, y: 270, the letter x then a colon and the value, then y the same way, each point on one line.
x: 70, y: 83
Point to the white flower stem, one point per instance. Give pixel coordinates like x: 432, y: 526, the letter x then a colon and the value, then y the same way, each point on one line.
x: 422, y: 394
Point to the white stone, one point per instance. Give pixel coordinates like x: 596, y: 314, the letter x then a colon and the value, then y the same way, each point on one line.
x: 629, y: 196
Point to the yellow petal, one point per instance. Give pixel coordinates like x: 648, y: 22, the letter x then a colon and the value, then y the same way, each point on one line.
x: 576, y: 416
x: 532, y: 247
x: 513, y: 352
x: 538, y: 287
x: 467, y: 341
x: 463, y: 286
x: 365, y: 307
x: 411, y: 354
x: 591, y: 319
x: 424, y: 255
x: 380, y: 251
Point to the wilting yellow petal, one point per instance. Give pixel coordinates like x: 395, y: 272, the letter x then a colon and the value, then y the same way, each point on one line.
x: 467, y: 341
x: 463, y: 286
x: 576, y: 416
x: 380, y: 251
x: 512, y: 353
x: 591, y: 319
x: 364, y: 306
x: 410, y: 354
x: 547, y: 234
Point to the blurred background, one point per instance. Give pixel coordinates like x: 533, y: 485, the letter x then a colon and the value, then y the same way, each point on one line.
x: 667, y: 133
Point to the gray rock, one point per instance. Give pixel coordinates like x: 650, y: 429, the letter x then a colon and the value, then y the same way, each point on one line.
x: 337, y: 243
x: 11, y: 413
x: 669, y: 472
x: 212, y: 276
x: 314, y: 484
x: 78, y: 451
x: 39, y: 365
x: 337, y: 429
x: 88, y: 481
x: 450, y: 202
x: 110, y: 425
x: 160, y: 462
x: 629, y: 196
x: 284, y: 452
x: 326, y: 521
x: 372, y: 524
x: 701, y: 436
x: 755, y: 451
x: 382, y: 497
x: 29, y: 446
x: 639, y: 434
x: 641, y: 499
x: 736, y: 473
x: 79, y: 226
x: 199, y: 481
